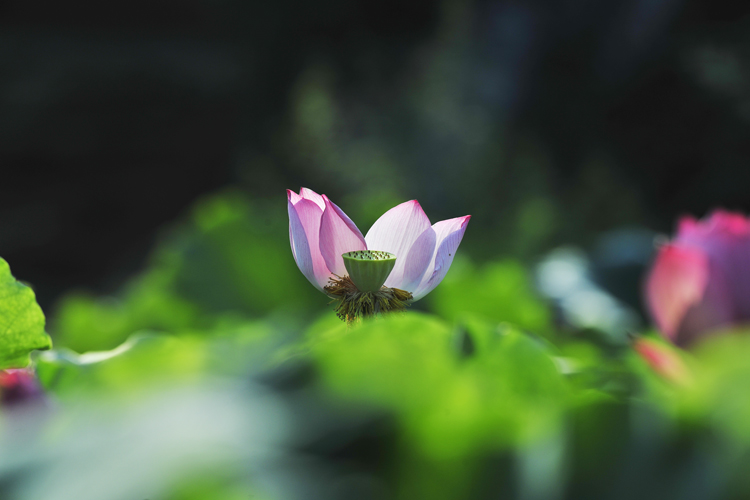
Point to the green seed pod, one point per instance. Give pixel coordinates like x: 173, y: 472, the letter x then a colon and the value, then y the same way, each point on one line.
x: 369, y: 269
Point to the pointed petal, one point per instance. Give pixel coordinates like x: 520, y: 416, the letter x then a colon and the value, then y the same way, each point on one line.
x: 449, y: 234
x: 721, y: 224
x: 292, y: 196
x: 311, y: 195
x: 676, y: 283
x: 729, y: 222
x: 416, y: 263
x: 304, y: 229
x: 300, y: 246
x: 396, y: 231
x: 338, y: 235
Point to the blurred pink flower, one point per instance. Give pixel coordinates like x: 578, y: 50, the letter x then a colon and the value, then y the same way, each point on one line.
x: 700, y: 281
x: 320, y: 232
x: 19, y: 386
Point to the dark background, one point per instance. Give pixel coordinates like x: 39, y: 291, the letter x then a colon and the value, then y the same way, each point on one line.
x: 549, y: 122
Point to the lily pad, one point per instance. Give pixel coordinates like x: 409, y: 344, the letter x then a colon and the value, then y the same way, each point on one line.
x: 21, y: 321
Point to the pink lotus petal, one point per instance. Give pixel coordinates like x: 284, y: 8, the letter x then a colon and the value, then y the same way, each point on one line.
x: 687, y: 224
x: 725, y: 238
x: 396, y: 231
x: 311, y: 195
x: 304, y: 227
x: 677, y: 282
x: 715, y: 311
x: 292, y: 196
x: 310, y: 216
x: 721, y: 223
x: 299, y: 242
x: 417, y: 261
x: 448, y: 236
x: 729, y: 222
x: 338, y: 235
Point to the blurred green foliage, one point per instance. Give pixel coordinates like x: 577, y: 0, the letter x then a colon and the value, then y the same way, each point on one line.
x: 496, y: 291
x: 718, y: 393
x: 229, y: 258
x: 143, y: 362
x: 507, y: 390
x: 477, y: 393
x: 454, y: 403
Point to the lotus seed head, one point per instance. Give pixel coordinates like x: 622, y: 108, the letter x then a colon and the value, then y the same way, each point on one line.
x: 369, y: 269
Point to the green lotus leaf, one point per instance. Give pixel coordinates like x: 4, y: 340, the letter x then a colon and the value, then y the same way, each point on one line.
x: 21, y: 321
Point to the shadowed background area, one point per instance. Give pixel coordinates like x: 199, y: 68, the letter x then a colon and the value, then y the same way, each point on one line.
x: 549, y: 122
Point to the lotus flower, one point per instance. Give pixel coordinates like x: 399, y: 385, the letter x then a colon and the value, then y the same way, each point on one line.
x: 401, y: 251
x: 700, y: 281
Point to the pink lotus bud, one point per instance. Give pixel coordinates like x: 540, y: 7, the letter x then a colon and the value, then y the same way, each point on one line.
x: 700, y: 281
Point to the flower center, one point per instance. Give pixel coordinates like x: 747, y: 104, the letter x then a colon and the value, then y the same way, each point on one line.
x: 361, y: 293
x: 369, y: 269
